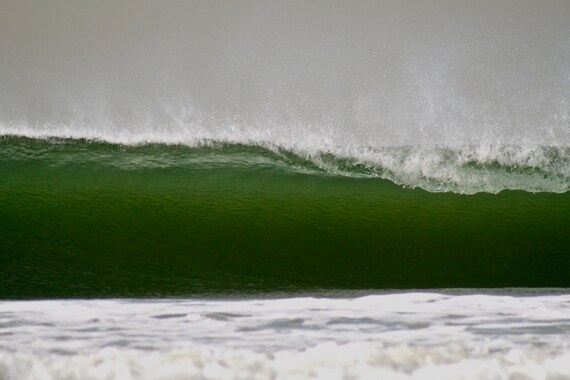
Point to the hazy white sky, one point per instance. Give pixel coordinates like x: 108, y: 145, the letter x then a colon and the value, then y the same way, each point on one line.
x: 400, y: 70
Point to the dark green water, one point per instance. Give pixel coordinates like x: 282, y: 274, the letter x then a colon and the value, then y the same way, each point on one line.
x: 83, y: 219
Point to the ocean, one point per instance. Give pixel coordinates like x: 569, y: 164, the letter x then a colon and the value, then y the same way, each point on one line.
x: 284, y: 190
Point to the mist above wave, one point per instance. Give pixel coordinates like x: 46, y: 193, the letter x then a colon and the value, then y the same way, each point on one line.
x: 324, y: 73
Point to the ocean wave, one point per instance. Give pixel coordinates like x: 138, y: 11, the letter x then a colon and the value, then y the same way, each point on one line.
x: 179, y: 220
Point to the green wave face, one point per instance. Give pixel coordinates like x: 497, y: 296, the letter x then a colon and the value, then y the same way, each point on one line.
x: 92, y: 219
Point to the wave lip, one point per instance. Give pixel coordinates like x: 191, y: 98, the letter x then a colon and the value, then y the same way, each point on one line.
x: 466, y: 169
x: 471, y: 169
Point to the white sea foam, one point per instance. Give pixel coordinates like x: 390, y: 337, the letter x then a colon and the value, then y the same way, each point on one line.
x: 397, y: 336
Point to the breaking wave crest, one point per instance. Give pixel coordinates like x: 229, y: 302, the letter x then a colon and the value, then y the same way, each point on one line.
x: 465, y: 169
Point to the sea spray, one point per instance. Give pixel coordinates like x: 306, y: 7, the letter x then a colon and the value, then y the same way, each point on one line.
x: 364, y: 74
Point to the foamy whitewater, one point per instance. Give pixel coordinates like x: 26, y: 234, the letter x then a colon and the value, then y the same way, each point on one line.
x: 391, y: 336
